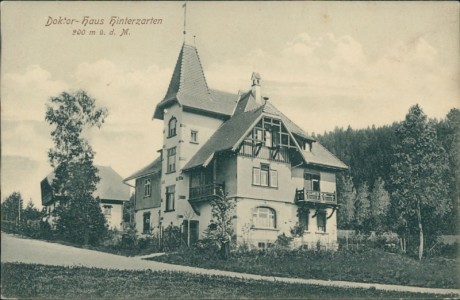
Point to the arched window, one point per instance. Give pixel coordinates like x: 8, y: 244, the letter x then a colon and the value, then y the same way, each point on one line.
x: 264, y: 217
x: 172, y: 127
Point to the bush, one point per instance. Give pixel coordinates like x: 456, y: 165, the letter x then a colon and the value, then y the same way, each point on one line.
x: 172, y: 238
x: 128, y: 238
x: 444, y: 250
x: 283, y: 240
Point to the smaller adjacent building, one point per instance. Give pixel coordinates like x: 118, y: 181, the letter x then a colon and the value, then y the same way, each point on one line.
x: 147, y: 197
x: 110, y: 190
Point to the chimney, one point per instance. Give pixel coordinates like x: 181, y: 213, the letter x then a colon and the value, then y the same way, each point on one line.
x: 256, y: 88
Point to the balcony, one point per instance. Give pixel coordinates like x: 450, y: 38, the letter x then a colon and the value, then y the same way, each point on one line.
x: 252, y: 149
x: 308, y: 196
x: 204, y: 192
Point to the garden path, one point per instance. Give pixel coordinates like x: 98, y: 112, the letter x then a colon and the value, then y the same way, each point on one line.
x: 17, y: 249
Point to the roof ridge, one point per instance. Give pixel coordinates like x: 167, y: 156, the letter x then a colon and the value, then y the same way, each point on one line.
x: 181, y: 72
x: 202, y: 72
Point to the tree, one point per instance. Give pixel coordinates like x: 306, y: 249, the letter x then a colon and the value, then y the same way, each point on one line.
x: 362, y: 207
x: 129, y: 210
x: 12, y: 208
x: 449, y: 135
x: 79, y: 217
x: 346, y: 199
x: 221, y: 227
x: 379, y: 204
x: 419, y: 176
x: 30, y: 213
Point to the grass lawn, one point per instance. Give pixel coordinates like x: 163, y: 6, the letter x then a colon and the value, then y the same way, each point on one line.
x: 370, y: 265
x: 38, y: 281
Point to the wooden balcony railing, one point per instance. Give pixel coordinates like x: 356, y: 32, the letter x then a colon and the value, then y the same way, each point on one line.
x: 252, y: 149
x: 204, y: 192
x: 303, y: 195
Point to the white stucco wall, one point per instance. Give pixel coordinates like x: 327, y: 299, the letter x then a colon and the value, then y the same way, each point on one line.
x: 286, y: 218
x: 185, y: 149
x: 154, y: 219
x: 115, y: 219
x: 287, y: 182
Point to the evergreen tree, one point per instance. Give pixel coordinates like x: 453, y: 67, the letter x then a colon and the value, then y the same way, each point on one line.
x: 31, y: 213
x: 379, y: 204
x: 221, y: 227
x: 79, y: 217
x: 362, y: 207
x: 12, y: 208
x: 419, y: 176
x: 129, y: 210
x: 346, y: 199
x: 449, y: 135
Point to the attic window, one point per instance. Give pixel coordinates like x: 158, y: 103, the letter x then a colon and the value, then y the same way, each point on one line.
x: 107, y: 210
x: 304, y: 145
x: 147, y: 188
x: 172, y: 124
x: 194, y: 137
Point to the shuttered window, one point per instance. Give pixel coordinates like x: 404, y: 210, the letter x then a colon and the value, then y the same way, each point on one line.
x: 256, y: 176
x: 264, y: 176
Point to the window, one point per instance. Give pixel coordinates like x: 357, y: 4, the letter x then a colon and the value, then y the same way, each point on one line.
x: 147, y: 188
x: 258, y: 134
x: 264, y: 217
x: 268, y: 138
x: 170, y: 195
x: 107, y: 210
x: 146, y: 223
x: 256, y: 176
x: 171, y: 161
x: 194, y: 136
x: 321, y: 221
x: 304, y: 218
x: 172, y: 124
x: 312, y: 182
x: 263, y: 176
x: 264, y: 171
x: 273, y: 178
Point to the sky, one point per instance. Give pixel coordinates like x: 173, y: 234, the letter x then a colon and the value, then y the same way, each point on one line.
x: 324, y: 64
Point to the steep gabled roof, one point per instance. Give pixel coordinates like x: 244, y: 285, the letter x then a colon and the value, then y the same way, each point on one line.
x: 188, y: 87
x: 110, y: 186
x: 247, y: 102
x: 152, y: 168
x: 230, y: 133
x: 291, y: 126
x: 226, y: 137
x: 321, y: 156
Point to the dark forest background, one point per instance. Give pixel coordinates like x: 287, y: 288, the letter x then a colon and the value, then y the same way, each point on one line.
x: 367, y: 190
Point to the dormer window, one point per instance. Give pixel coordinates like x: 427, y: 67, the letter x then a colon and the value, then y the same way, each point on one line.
x: 304, y: 145
x: 172, y: 124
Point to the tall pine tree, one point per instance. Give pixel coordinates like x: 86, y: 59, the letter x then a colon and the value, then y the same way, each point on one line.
x: 380, y: 202
x: 362, y: 208
x: 346, y: 199
x: 449, y: 135
x: 419, y: 177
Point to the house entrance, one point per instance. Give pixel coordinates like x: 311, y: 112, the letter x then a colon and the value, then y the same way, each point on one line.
x: 190, y: 236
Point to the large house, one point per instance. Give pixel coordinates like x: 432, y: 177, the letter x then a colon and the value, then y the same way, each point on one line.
x: 111, y: 191
x: 280, y: 177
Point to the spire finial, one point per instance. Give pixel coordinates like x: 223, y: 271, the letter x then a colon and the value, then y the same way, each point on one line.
x: 184, y: 6
x: 194, y: 40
